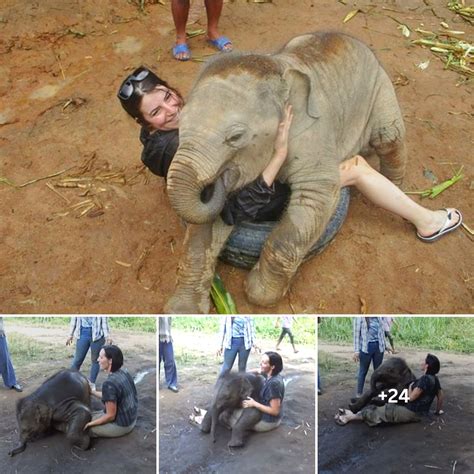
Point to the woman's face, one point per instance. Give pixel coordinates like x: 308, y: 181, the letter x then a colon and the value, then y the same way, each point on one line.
x: 104, y: 363
x: 160, y: 109
x: 265, y: 366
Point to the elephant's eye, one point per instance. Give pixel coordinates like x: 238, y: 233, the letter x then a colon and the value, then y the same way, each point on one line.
x: 235, y: 138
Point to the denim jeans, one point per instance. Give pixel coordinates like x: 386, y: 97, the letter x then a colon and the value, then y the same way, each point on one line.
x: 237, y: 346
x: 167, y: 356
x: 6, y: 367
x: 373, y: 356
x: 82, y: 346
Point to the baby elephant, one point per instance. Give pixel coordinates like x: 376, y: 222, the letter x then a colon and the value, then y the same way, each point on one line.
x: 61, y: 402
x: 229, y: 392
x: 394, y: 373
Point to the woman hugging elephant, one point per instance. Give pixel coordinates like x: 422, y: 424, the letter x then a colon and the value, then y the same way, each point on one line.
x: 265, y: 136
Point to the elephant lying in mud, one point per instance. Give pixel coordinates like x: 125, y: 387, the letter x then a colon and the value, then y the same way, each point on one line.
x: 394, y: 373
x: 61, y: 402
x: 229, y: 392
x: 343, y: 104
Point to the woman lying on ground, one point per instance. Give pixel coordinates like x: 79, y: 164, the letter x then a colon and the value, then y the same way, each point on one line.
x: 156, y: 106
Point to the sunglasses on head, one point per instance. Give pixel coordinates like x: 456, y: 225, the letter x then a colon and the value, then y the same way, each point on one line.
x: 127, y: 88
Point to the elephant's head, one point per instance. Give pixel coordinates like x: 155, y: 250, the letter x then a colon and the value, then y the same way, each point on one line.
x: 33, y: 419
x: 226, y: 135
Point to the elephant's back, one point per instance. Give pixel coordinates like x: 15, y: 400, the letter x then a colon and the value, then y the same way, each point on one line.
x: 64, y: 384
x: 325, y: 47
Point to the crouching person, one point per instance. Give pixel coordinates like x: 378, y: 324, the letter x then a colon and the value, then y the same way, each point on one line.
x: 119, y: 396
x: 421, y: 394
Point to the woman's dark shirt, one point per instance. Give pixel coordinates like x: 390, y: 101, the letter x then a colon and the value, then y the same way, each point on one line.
x: 255, y: 202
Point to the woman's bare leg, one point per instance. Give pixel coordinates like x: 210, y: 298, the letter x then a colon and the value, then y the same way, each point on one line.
x: 382, y: 192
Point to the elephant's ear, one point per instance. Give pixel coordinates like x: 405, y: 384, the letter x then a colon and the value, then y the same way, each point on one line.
x: 298, y: 81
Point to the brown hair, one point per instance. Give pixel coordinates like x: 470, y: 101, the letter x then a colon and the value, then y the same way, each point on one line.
x: 150, y: 82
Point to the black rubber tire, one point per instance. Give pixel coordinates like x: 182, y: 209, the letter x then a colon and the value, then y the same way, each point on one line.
x: 246, y: 241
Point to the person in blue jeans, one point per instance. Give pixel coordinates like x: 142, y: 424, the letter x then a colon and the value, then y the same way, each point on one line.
x: 236, y: 336
x: 6, y: 366
x: 90, y: 332
x: 369, y: 346
x: 167, y: 353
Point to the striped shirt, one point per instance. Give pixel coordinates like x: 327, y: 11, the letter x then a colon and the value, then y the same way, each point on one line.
x: 361, y: 334
x: 100, y: 327
x: 225, y: 334
x: 120, y: 388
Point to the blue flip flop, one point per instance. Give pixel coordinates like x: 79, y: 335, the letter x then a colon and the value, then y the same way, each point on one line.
x: 181, y: 49
x: 221, y: 43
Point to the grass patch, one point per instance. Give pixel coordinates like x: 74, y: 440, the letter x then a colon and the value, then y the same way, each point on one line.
x: 25, y: 350
x: 434, y: 333
x: 132, y: 323
x: 303, y: 329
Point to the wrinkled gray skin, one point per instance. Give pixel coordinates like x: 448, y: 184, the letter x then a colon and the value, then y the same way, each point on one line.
x: 343, y: 103
x: 61, y: 402
x: 229, y: 392
x: 394, y: 373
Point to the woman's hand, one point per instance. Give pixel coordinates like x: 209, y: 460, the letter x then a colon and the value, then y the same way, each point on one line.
x: 249, y: 402
x: 109, y: 341
x: 355, y: 357
x: 281, y: 140
x: 69, y: 341
x: 280, y: 146
x: 219, y: 351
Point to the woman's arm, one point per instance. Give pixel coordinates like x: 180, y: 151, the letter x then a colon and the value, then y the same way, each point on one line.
x: 273, y: 409
x: 280, y: 148
x: 107, y: 417
x: 414, y: 393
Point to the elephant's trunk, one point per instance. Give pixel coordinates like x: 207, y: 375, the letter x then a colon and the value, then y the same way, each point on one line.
x: 215, y: 418
x: 195, y: 188
x: 19, y: 449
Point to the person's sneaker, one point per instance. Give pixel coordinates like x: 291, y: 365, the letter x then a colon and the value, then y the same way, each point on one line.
x: 173, y: 388
x: 17, y: 387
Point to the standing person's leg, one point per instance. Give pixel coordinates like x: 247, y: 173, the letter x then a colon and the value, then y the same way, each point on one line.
x: 377, y: 356
x: 364, y: 363
x: 214, y: 10
x: 171, y: 374
x: 96, y: 346
x: 82, y: 346
x: 180, y: 11
x: 282, y: 335
x: 229, y: 356
x: 243, y: 356
x: 6, y: 366
x: 292, y: 339
x: 390, y: 338
x: 382, y: 192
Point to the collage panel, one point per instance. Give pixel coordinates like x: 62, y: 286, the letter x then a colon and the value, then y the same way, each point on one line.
x: 79, y: 394
x: 396, y: 394
x: 237, y: 394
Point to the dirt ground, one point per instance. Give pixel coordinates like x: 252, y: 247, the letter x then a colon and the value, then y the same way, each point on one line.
x: 437, y: 444
x: 71, y: 249
x: 184, y: 449
x: 135, y: 452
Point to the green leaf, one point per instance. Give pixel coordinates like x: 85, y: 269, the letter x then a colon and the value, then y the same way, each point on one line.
x: 221, y: 298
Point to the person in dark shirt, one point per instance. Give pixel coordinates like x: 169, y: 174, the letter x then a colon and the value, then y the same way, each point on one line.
x: 421, y: 394
x: 156, y: 106
x: 271, y: 395
x: 119, y: 396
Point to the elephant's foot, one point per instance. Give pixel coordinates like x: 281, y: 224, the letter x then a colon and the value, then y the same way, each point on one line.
x: 236, y: 442
x: 186, y: 303
x: 263, y: 292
